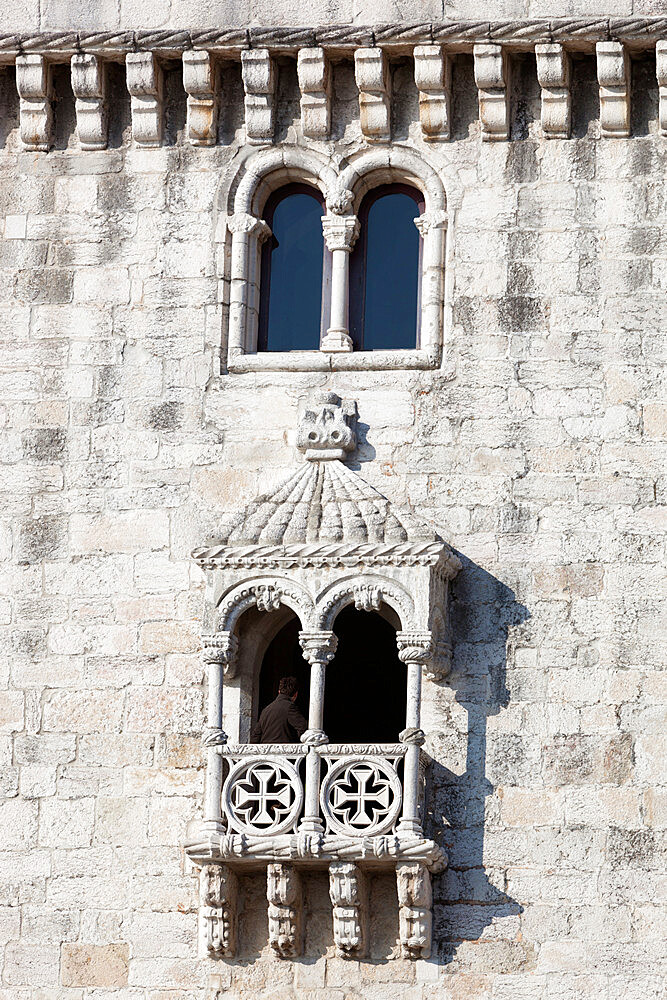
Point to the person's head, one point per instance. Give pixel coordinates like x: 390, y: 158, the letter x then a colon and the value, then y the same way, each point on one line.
x: 289, y: 687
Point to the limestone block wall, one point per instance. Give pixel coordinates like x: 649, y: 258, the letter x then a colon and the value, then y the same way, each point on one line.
x: 537, y: 448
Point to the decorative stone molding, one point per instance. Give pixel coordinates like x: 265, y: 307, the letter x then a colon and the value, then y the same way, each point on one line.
x: 348, y: 890
x: 346, y: 593
x: 285, y: 897
x: 371, y: 71
x: 433, y: 76
x: 367, y: 597
x: 415, y: 901
x: 326, y: 427
x: 145, y: 84
x: 339, y: 200
x: 259, y: 83
x: 201, y: 83
x: 33, y: 81
x: 218, y: 892
x: 491, y: 77
x: 613, y: 70
x: 553, y: 74
x: 220, y: 647
x: 267, y: 594
x: 315, y: 85
x: 89, y: 87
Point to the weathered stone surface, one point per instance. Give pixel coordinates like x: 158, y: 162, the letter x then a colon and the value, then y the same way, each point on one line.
x: 95, y: 965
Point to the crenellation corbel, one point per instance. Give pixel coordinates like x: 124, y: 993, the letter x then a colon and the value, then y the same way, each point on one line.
x: 259, y: 83
x: 371, y: 71
x: 200, y: 80
x: 613, y: 71
x: 89, y: 88
x: 433, y: 76
x: 314, y: 75
x: 145, y: 85
x: 492, y: 80
x: 553, y: 74
x: 34, y: 84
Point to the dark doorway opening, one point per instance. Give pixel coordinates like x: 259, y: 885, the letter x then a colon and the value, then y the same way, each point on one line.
x: 365, y: 693
x: 284, y: 658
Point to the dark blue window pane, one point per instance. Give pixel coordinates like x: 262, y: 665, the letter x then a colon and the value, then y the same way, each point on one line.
x: 290, y: 321
x: 392, y: 274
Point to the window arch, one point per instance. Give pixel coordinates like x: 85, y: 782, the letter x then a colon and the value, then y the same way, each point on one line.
x: 294, y: 261
x: 385, y: 270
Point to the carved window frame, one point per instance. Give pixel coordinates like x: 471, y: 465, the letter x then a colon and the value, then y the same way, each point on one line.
x: 343, y: 190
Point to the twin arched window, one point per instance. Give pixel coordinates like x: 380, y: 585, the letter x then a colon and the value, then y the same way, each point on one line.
x: 384, y: 271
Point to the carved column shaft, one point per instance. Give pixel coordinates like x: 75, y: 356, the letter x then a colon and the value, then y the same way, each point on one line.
x: 432, y: 227
x: 340, y: 234
x: 248, y: 234
x: 414, y: 649
x: 219, y: 652
x: 319, y: 648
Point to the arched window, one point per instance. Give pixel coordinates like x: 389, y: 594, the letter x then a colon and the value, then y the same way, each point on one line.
x: 366, y: 682
x: 385, y: 270
x: 283, y: 658
x: 293, y: 261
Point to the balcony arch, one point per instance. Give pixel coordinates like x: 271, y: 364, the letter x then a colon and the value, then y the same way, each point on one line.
x: 366, y: 593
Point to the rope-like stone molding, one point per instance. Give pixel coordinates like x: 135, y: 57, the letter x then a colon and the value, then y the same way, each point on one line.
x: 640, y: 32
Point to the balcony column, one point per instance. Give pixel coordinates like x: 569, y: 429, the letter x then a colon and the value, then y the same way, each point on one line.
x: 414, y: 649
x: 340, y: 234
x: 319, y: 648
x: 218, y: 654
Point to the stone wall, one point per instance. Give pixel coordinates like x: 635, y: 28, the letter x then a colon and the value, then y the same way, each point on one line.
x: 537, y: 449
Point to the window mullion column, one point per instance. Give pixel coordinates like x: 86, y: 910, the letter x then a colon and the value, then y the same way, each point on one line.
x: 340, y: 234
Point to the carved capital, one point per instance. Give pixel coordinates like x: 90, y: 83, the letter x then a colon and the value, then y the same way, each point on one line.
x: 413, y: 882
x: 220, y: 647
x: 431, y: 220
x: 285, y: 897
x: 339, y: 200
x: 325, y: 429
x: 318, y: 647
x: 218, y: 890
x: 250, y: 225
x: 414, y: 647
x: 340, y: 231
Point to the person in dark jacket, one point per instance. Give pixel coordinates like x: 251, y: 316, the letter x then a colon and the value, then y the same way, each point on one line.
x: 281, y: 721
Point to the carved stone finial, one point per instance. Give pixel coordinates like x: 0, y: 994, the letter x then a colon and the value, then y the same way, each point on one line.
x: 326, y: 427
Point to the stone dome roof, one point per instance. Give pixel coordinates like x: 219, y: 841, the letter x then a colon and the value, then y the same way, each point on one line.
x: 323, y: 502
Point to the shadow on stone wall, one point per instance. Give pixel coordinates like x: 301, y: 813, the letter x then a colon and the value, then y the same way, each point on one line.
x: 466, y: 899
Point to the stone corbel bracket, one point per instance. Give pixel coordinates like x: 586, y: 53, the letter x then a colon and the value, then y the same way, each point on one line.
x: 145, y: 84
x: 371, y: 71
x: 218, y: 892
x: 415, y: 901
x: 201, y: 82
x: 285, y: 897
x: 553, y: 74
x: 613, y: 70
x: 433, y: 76
x: 348, y: 889
x: 33, y: 81
x: 315, y: 84
x: 89, y: 87
x: 259, y: 84
x: 492, y: 79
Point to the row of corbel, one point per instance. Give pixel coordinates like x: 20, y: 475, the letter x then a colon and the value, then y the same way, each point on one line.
x: 348, y: 890
x: 432, y: 76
